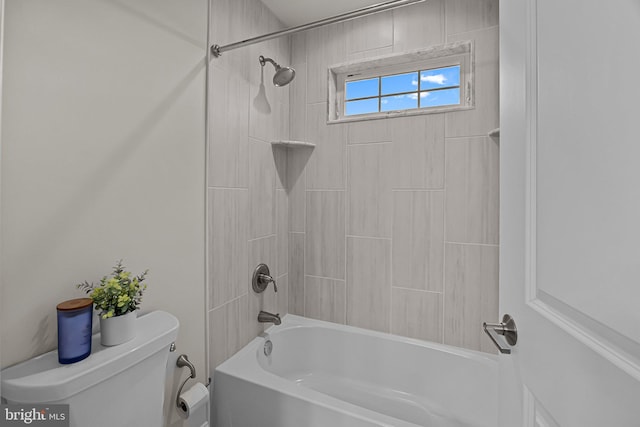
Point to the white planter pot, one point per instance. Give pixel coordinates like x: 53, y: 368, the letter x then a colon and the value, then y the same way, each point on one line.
x: 118, y: 329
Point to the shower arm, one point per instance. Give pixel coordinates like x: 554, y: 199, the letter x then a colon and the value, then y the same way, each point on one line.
x: 264, y: 60
x: 217, y: 50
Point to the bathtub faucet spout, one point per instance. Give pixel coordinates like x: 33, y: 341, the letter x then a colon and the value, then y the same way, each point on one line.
x: 265, y: 317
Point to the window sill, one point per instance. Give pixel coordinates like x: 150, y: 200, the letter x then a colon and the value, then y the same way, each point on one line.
x: 395, y: 114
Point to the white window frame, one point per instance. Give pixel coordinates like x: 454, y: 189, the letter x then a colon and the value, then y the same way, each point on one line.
x: 454, y: 54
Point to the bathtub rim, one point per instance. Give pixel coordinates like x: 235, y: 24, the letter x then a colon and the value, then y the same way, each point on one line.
x: 291, y: 321
x: 245, y: 366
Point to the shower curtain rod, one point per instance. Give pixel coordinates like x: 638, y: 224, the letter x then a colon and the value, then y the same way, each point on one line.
x: 217, y: 50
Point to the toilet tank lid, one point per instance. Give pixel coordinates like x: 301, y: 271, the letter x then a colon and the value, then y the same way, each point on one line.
x: 43, y: 379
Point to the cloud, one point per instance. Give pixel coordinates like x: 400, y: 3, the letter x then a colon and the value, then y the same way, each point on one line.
x: 424, y: 94
x: 439, y: 79
x: 414, y: 82
x: 413, y: 96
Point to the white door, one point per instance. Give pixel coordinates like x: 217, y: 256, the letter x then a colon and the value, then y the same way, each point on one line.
x: 570, y: 212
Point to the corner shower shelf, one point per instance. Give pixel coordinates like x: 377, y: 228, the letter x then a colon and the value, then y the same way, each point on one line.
x: 293, y: 144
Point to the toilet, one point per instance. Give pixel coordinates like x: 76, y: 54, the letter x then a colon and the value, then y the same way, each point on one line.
x: 121, y: 385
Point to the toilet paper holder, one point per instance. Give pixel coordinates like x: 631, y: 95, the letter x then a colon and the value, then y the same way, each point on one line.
x: 184, y: 362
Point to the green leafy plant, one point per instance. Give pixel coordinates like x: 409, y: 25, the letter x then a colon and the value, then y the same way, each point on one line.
x: 116, y: 295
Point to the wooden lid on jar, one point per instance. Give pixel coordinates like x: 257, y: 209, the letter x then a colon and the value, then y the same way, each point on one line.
x: 74, y: 304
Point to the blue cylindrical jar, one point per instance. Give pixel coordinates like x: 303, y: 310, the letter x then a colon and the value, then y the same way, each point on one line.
x: 75, y: 319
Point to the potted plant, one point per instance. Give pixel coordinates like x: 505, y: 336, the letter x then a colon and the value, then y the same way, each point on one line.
x: 117, y: 298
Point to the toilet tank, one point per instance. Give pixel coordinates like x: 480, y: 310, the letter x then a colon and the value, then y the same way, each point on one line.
x: 121, y: 385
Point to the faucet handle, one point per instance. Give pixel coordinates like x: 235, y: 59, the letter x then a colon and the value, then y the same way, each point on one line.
x: 262, y: 278
x: 268, y: 279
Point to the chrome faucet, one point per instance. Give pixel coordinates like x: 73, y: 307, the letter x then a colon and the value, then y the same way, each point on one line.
x: 261, y: 278
x: 266, y: 279
x: 265, y: 317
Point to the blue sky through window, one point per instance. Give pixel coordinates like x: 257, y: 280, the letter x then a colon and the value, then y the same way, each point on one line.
x: 439, y: 78
x: 399, y: 102
x: 437, y: 98
x: 436, y: 87
x: 362, y: 88
x: 399, y: 83
x: 363, y: 106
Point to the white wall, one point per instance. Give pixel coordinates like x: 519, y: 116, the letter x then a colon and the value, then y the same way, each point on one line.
x: 103, y: 157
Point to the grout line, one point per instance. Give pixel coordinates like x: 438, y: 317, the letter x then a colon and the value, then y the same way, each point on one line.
x: 393, y: 31
x: 419, y: 189
x: 367, y: 54
x: 229, y: 302
x: 444, y: 232
x: 356, y: 144
x: 304, y: 242
x: 325, y: 190
x: 264, y: 141
x: 332, y: 311
x: 418, y: 290
x: 390, y: 259
x: 367, y: 237
x: 491, y: 245
x: 324, y: 278
x: 443, y: 14
x: 346, y: 238
x: 453, y: 138
x: 304, y: 267
x: 391, y: 266
x: 304, y: 292
x: 208, y: 287
x: 261, y: 238
x: 474, y: 31
x: 228, y: 188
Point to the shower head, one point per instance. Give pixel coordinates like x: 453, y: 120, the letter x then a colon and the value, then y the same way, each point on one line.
x: 283, y: 75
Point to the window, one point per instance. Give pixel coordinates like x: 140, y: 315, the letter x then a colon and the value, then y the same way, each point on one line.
x: 435, y: 80
x: 420, y: 89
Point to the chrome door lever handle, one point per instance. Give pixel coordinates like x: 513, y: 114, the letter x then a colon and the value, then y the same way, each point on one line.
x: 506, y: 328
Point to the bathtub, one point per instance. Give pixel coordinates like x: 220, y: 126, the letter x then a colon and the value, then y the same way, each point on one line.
x: 320, y: 374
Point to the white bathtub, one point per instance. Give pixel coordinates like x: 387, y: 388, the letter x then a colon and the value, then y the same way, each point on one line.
x: 323, y: 374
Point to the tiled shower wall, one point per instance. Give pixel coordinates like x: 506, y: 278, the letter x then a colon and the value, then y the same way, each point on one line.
x: 393, y: 223
x: 247, y: 202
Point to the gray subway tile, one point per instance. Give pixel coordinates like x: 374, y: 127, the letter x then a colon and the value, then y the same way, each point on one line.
x: 418, y: 152
x: 418, y: 239
x: 325, y: 167
x: 324, y: 299
x: 471, y: 294
x: 416, y: 314
x: 472, y: 198
x: 369, y: 283
x: 296, y: 273
x: 468, y: 15
x: 486, y: 114
x: 369, y: 197
x: 228, y: 249
x: 324, y: 248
